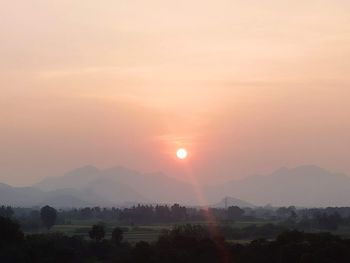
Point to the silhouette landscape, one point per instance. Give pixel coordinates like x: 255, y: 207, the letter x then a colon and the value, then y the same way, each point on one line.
x: 180, y: 131
x: 304, y: 186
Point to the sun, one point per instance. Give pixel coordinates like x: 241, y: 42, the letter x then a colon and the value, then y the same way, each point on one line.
x: 182, y: 153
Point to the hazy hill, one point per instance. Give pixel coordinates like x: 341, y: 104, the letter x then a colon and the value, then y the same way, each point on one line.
x: 301, y: 186
x: 77, y: 179
x: 91, y: 180
x: 156, y: 186
x: 231, y: 201
x: 89, y: 186
x: 31, y: 196
x: 115, y: 192
x: 20, y: 196
x: 121, y: 185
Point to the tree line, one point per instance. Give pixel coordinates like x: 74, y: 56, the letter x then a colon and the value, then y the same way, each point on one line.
x: 31, y: 219
x: 328, y: 219
x: 182, y: 244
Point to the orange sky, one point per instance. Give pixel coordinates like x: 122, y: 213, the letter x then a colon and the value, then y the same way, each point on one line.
x: 246, y: 86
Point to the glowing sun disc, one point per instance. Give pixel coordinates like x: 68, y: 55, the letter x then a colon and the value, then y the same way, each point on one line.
x: 182, y: 153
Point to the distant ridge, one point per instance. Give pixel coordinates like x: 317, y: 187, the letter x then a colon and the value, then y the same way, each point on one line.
x: 231, y: 201
x: 122, y: 185
x: 77, y: 178
x: 308, y: 186
x: 304, y: 186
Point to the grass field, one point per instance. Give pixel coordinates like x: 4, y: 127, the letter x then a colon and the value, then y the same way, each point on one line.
x: 150, y: 233
x: 132, y: 234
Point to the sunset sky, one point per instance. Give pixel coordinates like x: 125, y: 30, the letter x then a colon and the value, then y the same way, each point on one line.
x: 245, y: 86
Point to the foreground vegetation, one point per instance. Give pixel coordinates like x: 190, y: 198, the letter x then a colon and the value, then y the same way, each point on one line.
x: 145, y: 223
x: 185, y: 243
x: 174, y: 234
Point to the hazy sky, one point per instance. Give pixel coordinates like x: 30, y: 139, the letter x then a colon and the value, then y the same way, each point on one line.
x: 247, y: 86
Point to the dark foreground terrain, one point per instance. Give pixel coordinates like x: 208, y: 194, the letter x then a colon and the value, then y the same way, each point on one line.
x: 185, y: 243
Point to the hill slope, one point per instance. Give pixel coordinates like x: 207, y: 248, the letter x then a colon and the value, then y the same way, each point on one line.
x: 121, y: 185
x: 301, y: 186
x: 308, y: 186
x: 231, y: 201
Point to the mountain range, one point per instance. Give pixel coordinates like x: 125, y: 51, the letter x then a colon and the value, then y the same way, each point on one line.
x: 308, y: 186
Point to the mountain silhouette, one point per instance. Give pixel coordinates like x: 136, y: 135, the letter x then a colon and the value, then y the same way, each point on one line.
x: 120, y: 185
x: 231, y: 201
x: 308, y: 186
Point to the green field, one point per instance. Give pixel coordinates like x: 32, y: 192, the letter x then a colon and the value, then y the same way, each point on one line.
x: 132, y: 234
x: 151, y: 232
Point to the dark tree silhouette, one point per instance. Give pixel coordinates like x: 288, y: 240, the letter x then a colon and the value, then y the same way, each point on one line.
x: 10, y: 231
x: 117, y: 235
x: 162, y: 213
x: 142, y: 252
x: 328, y: 222
x: 178, y: 212
x: 6, y: 211
x: 97, y: 232
x: 48, y: 216
x: 234, y: 212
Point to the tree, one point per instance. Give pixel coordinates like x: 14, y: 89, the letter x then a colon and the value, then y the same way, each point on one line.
x: 117, y: 235
x: 162, y: 213
x: 234, y: 212
x: 142, y: 252
x: 283, y: 212
x: 6, y: 211
x: 97, y: 232
x: 328, y: 222
x: 10, y: 231
x: 48, y: 216
x: 178, y: 212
